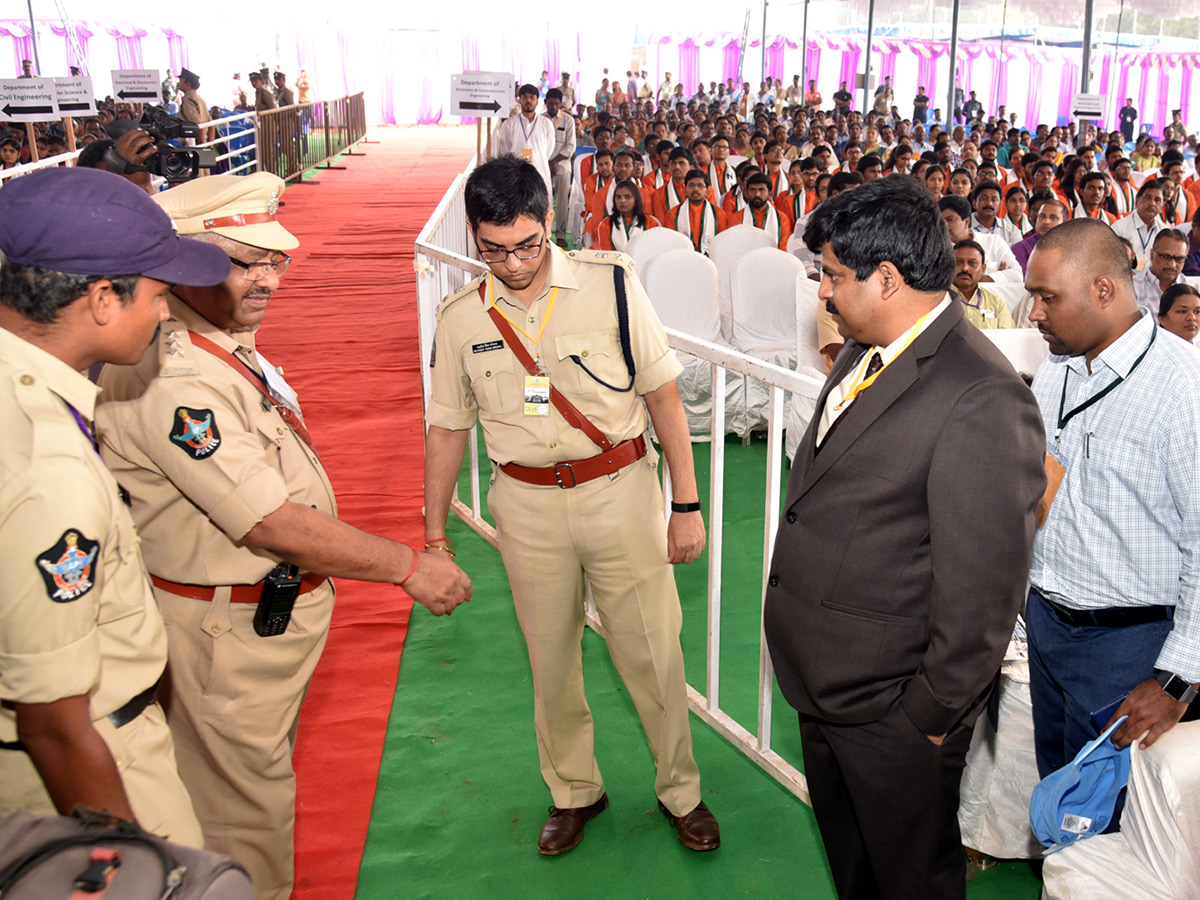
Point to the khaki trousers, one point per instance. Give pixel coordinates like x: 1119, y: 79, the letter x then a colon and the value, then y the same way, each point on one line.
x: 145, y: 757
x: 233, y: 705
x: 613, y: 532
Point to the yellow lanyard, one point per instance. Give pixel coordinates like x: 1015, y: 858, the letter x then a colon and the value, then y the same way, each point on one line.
x: 863, y: 385
x: 536, y: 341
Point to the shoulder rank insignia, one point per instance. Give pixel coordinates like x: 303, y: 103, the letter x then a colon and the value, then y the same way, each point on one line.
x: 67, y: 567
x: 194, y: 431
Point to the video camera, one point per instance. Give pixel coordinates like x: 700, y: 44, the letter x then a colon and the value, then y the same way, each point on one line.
x: 174, y: 163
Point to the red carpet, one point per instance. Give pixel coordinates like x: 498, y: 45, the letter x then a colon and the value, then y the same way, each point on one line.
x: 344, y: 328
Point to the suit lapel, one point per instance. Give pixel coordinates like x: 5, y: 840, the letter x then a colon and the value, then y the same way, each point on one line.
x: 849, y: 355
x: 891, y: 384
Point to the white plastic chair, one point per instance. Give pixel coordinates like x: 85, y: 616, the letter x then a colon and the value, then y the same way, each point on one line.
x: 682, y: 286
x: 575, y: 199
x: 1157, y: 852
x: 808, y: 361
x: 647, y: 245
x: 1025, y: 348
x: 725, y: 249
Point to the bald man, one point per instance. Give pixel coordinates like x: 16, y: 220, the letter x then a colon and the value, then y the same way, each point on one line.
x: 1114, y: 594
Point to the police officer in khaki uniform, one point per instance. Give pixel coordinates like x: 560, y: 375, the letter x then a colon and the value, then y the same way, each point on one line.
x: 192, y: 107
x: 570, y: 505
x: 236, y: 515
x: 82, y: 644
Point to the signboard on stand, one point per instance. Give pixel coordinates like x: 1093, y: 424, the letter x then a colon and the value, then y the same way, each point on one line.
x: 75, y: 96
x: 1087, y: 106
x: 485, y: 95
x: 28, y: 100
x: 137, y: 85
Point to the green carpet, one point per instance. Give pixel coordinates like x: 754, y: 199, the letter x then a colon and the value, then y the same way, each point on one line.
x: 460, y: 799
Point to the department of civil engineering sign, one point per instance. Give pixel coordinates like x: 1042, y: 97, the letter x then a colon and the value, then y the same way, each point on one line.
x: 28, y: 100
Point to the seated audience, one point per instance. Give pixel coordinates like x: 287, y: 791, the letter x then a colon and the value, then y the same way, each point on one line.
x: 1002, y: 265
x: 1050, y: 214
x: 1165, y: 268
x: 697, y: 218
x: 761, y: 213
x: 1179, y: 311
x: 982, y: 308
x: 1142, y: 226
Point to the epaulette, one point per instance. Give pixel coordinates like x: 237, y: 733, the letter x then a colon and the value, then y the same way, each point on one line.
x: 176, y: 356
x: 604, y: 257
x: 470, y: 287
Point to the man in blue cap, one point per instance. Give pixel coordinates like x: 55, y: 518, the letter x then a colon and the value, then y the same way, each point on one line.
x: 82, y: 644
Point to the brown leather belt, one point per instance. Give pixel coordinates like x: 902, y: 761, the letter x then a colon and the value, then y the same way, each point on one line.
x: 119, y: 718
x: 238, y: 593
x: 571, y: 472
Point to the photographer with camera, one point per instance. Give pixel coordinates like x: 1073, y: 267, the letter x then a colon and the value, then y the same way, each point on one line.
x: 145, y: 150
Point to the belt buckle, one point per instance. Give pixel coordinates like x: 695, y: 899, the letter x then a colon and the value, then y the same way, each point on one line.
x: 558, y: 469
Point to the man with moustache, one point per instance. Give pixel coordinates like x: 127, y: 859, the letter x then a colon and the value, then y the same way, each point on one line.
x: 697, y: 218
x: 237, y: 516
x: 761, y: 213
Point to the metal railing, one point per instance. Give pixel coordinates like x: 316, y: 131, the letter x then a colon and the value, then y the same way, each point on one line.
x: 287, y: 141
x: 443, y: 263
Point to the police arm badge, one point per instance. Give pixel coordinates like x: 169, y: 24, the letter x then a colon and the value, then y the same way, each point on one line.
x: 194, y: 431
x: 69, y: 567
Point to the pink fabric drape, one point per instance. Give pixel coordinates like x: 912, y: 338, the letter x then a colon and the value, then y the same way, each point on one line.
x: 22, y: 49
x: 1185, y: 94
x: 927, y: 76
x: 689, y: 66
x: 427, y: 113
x: 1105, y: 78
x: 1033, y: 99
x: 470, y: 63
x: 999, y: 89
x: 775, y: 59
x: 887, y: 67
x: 177, y: 51
x: 81, y: 35
x: 812, y: 65
x: 1122, y: 93
x: 1141, y: 104
x: 1066, y: 87
x: 731, y: 57
x: 1161, y: 115
x: 550, y: 60
x: 849, y: 69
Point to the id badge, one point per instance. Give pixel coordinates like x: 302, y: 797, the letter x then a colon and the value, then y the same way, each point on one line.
x: 527, y: 154
x: 537, y: 395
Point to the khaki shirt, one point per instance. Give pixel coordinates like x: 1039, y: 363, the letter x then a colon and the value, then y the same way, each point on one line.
x: 476, y: 376
x: 77, y: 616
x: 195, y: 499
x: 194, y: 109
x: 284, y: 96
x: 263, y: 99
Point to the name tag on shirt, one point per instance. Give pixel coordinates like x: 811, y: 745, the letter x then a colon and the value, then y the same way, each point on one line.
x: 988, y: 313
x: 486, y: 346
x: 537, y: 395
x: 527, y: 154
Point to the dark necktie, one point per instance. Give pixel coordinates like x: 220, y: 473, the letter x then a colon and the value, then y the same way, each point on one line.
x: 873, y: 366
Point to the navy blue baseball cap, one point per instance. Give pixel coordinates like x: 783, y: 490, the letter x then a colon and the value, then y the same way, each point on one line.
x: 89, y: 222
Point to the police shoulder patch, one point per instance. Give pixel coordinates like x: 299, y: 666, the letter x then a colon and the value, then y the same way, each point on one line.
x: 68, y: 568
x: 194, y: 431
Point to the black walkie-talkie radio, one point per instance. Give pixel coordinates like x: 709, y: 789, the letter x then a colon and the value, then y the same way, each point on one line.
x: 280, y: 590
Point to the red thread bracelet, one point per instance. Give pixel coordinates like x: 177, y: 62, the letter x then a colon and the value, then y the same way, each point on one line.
x: 416, y: 557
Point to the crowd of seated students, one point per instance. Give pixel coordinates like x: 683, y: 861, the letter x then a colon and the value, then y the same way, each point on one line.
x: 728, y: 156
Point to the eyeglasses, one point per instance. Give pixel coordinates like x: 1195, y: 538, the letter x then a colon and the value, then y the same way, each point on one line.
x: 257, y: 270
x: 525, y: 251
x: 1167, y: 258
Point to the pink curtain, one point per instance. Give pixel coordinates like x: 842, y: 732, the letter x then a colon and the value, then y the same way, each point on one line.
x: 1161, y: 115
x: 129, y: 47
x: 470, y: 63
x: 927, y: 76
x: 849, y: 69
x: 730, y: 58
x: 177, y: 50
x: 1105, y: 78
x: 81, y: 35
x: 1185, y: 96
x: 550, y: 60
x: 1141, y: 104
x: 1066, y: 87
x: 812, y: 65
x: 689, y: 66
x: 775, y: 59
x: 999, y: 90
x: 1122, y: 93
x: 22, y: 49
x: 1033, y: 99
x: 887, y: 67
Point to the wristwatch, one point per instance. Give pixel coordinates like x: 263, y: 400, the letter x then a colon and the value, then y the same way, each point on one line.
x: 1176, y: 687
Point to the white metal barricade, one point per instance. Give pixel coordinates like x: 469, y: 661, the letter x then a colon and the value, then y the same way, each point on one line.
x: 444, y: 262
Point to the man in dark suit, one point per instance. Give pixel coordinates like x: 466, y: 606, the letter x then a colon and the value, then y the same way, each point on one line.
x: 901, y: 558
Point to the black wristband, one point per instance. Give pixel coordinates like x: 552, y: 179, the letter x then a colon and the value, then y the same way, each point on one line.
x: 685, y: 507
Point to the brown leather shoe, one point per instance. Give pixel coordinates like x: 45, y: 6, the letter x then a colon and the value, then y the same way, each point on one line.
x: 698, y: 830
x: 564, y: 829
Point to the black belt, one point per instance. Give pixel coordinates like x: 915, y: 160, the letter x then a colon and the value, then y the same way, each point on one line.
x: 1112, y: 617
x: 120, y: 718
